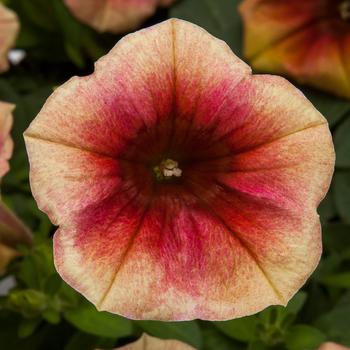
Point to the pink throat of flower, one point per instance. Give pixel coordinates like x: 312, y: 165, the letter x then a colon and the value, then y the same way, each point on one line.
x: 344, y: 10
x: 172, y: 158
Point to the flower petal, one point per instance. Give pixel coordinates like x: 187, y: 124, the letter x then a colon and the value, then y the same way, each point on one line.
x: 6, y: 144
x: 9, y: 28
x: 114, y: 16
x: 332, y: 346
x: 306, y: 40
x: 266, y: 22
x: 314, y: 59
x: 147, y: 342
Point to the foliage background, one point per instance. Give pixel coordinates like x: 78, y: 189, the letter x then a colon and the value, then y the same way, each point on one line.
x: 42, y: 312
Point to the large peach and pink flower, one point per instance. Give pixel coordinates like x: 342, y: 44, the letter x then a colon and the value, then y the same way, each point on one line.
x: 307, y: 40
x: 12, y: 230
x: 147, y: 342
x: 114, y: 16
x: 184, y: 187
x: 9, y: 27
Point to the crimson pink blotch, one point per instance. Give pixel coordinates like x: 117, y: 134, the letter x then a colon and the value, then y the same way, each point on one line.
x: 184, y: 186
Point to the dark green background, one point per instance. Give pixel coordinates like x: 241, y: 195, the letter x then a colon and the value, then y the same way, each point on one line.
x: 42, y: 312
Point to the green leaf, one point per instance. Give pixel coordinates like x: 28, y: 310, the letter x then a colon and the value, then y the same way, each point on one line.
x: 7, y: 93
x: 258, y: 345
x: 37, y: 266
x: 51, y: 315
x: 81, y: 341
x: 86, y: 318
x: 53, y: 284
x: 188, y: 332
x: 336, y: 238
x: 219, y: 17
x: 333, y: 108
x: 213, y: 339
x: 74, y: 54
x: 336, y: 323
x: 296, y: 303
x: 304, y: 337
x: 84, y: 341
x: 342, y: 144
x: 344, y: 300
x: 34, y: 12
x: 339, y: 280
x: 342, y: 194
x: 327, y: 209
x: 317, y: 302
x: 243, y: 329
x: 279, y: 316
x: 27, y: 326
x: 29, y: 302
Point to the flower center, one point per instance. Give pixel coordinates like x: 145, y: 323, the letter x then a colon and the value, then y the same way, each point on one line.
x: 344, y: 10
x: 167, y: 169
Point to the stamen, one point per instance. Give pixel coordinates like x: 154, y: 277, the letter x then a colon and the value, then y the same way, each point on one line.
x: 170, y: 168
x: 344, y: 9
x: 167, y: 169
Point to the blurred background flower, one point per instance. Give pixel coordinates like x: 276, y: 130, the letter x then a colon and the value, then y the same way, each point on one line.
x: 307, y: 40
x: 332, y: 346
x: 12, y: 231
x: 150, y: 343
x: 115, y: 16
x: 9, y: 28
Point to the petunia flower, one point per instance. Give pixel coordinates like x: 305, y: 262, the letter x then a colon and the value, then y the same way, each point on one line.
x: 147, y: 342
x: 12, y: 231
x: 184, y: 186
x: 116, y: 16
x: 306, y: 40
x: 332, y: 346
x: 9, y: 28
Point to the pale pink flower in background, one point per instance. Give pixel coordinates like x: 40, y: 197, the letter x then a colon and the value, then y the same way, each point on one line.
x: 147, y: 342
x: 9, y: 28
x: 114, y: 16
x: 12, y: 231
